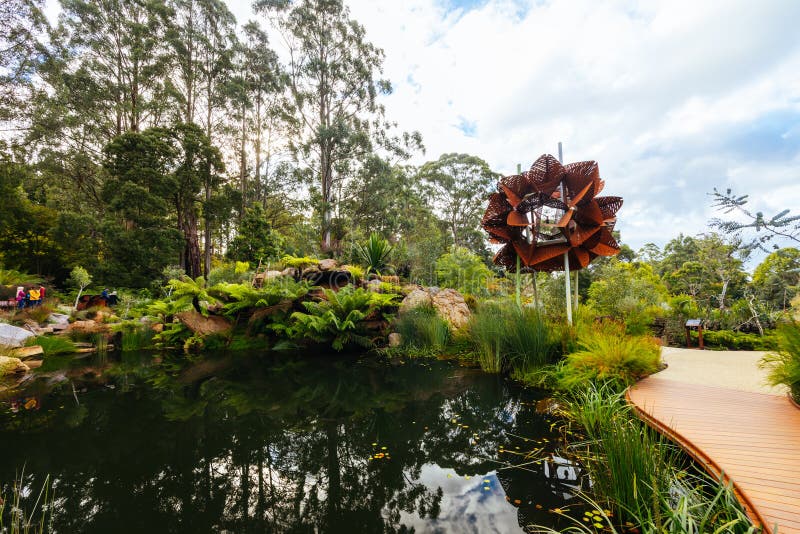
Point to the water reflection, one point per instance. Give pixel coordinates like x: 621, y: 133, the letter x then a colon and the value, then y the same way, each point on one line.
x: 256, y: 444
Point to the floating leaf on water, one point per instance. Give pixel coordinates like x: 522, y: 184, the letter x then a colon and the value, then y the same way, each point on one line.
x: 374, y: 444
x: 517, y: 501
x: 449, y: 475
x: 588, y: 513
x: 538, y: 506
x: 598, y: 525
x: 487, y: 481
x: 486, y: 488
x: 383, y: 448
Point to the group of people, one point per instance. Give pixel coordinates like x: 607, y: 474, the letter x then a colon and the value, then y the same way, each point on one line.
x: 32, y: 297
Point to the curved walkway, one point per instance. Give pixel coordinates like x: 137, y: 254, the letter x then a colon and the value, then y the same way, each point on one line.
x: 717, y: 406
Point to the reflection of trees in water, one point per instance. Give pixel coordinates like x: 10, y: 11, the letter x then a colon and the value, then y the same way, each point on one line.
x: 283, y: 446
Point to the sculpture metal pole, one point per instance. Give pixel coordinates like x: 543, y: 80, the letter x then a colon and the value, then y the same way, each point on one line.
x: 568, y: 298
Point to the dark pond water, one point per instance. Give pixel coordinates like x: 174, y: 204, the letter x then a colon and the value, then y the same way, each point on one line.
x: 288, y: 444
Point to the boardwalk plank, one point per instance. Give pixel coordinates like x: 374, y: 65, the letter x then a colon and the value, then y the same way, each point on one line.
x: 753, y: 437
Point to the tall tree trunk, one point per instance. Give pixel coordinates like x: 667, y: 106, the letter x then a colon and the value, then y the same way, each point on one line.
x: 243, y: 161
x: 258, y: 147
x: 191, y: 252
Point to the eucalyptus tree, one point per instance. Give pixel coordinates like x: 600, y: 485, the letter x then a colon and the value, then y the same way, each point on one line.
x: 121, y: 46
x: 21, y: 51
x: 202, y: 37
x: 333, y: 79
x: 458, y: 185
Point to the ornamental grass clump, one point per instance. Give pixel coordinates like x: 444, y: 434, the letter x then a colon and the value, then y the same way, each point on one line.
x: 53, y: 345
x: 507, y: 338
x: 422, y: 331
x: 784, y: 365
x: 607, y: 354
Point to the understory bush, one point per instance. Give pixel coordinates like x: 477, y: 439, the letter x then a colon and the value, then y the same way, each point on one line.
x: 507, y: 338
x: 422, y: 331
x: 135, y: 336
x: 784, y: 365
x: 606, y: 354
x: 338, y: 318
x: 731, y: 340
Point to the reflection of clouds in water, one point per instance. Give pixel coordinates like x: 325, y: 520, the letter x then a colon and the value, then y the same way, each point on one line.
x: 466, y: 506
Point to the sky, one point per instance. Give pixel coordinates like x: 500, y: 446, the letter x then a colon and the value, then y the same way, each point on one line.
x: 672, y: 98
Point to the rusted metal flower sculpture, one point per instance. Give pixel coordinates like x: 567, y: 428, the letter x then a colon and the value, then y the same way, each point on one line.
x: 550, y: 210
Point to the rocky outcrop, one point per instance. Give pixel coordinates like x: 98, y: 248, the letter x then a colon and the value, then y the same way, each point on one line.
x: 12, y: 366
x: 416, y: 298
x: 449, y: 303
x: 24, y: 353
x: 89, y: 327
x: 204, y: 326
x: 452, y: 308
x: 395, y: 340
x: 327, y: 265
x: 13, y: 336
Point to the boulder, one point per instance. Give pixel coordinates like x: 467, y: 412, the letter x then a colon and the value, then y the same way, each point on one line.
x: 271, y: 275
x: 12, y: 366
x: 395, y: 340
x: 33, y: 364
x: 204, y: 326
x: 417, y: 297
x: 290, y: 271
x: 24, y: 353
x: 13, y: 336
x: 58, y: 318
x: 327, y: 265
x: 452, y: 307
x: 88, y: 327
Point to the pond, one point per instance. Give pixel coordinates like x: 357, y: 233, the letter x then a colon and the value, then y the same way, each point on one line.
x: 254, y: 443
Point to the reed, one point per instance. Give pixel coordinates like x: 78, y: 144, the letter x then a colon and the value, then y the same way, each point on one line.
x: 422, y: 331
x: 18, y: 515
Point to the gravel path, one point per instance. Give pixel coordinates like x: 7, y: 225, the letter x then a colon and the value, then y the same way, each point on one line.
x: 733, y: 369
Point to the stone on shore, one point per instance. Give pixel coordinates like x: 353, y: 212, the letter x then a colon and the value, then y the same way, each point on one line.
x: 13, y: 336
x: 204, y: 326
x: 12, y: 366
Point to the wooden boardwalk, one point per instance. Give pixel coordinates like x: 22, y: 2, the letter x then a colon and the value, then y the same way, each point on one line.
x: 753, y: 438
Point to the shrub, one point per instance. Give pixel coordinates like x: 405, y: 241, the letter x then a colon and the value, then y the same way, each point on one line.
x: 607, y: 354
x: 784, y: 365
x: 374, y: 253
x: 462, y: 270
x: 231, y: 272
x: 732, y: 340
x: 507, y: 338
x: 298, y: 262
x: 135, y: 336
x: 336, y: 320
x: 422, y: 331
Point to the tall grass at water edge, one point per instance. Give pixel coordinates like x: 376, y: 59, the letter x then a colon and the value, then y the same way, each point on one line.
x: 507, y: 338
x: 642, y: 477
x: 784, y: 365
x: 18, y: 515
x: 422, y: 332
x: 53, y: 345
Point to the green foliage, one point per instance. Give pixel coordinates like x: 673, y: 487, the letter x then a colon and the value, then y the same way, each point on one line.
x: 374, y: 254
x: 53, y: 345
x: 79, y: 277
x: 732, y: 340
x: 241, y: 297
x: 505, y: 337
x: 231, y: 272
x: 422, y: 331
x: 776, y: 280
x: 784, y: 365
x: 606, y: 354
x: 336, y: 319
x: 298, y: 262
x: 621, y: 289
x: 13, y: 277
x: 135, y: 336
x: 166, y: 309
x: 355, y: 271
x: 462, y: 270
x: 255, y: 239
x: 641, y: 476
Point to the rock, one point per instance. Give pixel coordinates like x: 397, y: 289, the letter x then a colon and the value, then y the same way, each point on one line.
x: 12, y: 366
x: 261, y: 313
x: 418, y: 297
x: 290, y: 271
x: 13, y: 336
x: 395, y: 340
x: 24, y: 353
x: 58, y: 318
x: 452, y: 308
x: 88, y: 327
x: 204, y: 326
x: 391, y: 279
x: 374, y: 285
x: 157, y: 328
x: 34, y: 364
x: 327, y: 265
x: 271, y: 275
